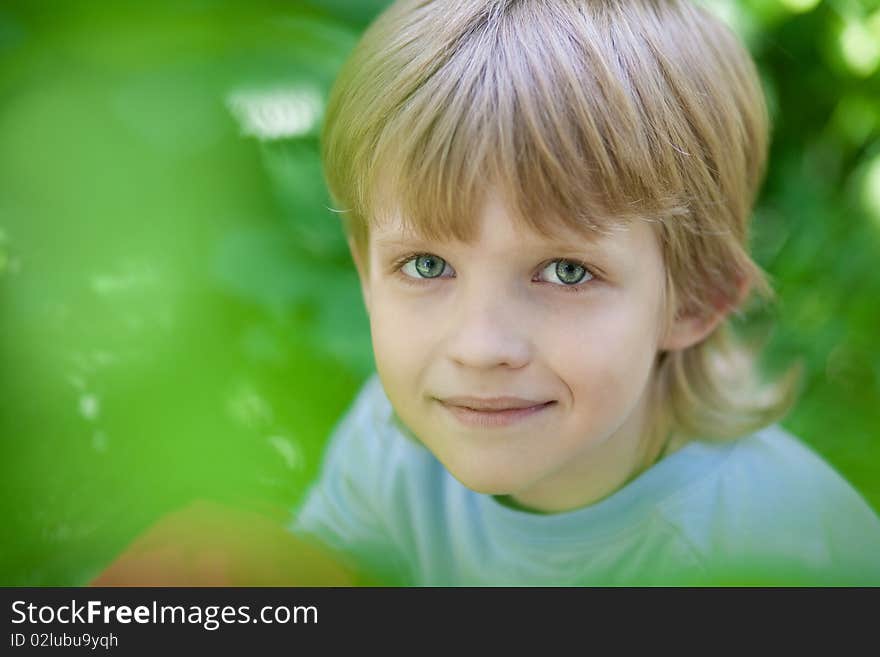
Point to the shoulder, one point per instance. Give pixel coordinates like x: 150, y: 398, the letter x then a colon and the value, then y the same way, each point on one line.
x: 355, y: 504
x: 785, y: 473
x: 372, y: 461
x: 773, y: 505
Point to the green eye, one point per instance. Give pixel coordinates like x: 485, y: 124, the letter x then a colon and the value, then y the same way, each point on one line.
x: 427, y: 266
x: 566, y: 272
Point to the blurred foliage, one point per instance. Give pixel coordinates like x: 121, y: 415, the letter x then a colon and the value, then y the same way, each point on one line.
x: 180, y: 317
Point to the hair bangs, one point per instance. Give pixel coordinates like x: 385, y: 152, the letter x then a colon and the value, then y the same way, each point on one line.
x: 513, y: 108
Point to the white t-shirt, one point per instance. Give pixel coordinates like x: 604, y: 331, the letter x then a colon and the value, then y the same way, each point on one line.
x: 763, y: 509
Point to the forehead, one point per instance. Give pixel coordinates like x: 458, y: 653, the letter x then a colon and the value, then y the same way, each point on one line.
x: 498, y: 229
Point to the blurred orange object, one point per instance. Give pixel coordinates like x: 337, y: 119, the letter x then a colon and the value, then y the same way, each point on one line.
x: 209, y: 544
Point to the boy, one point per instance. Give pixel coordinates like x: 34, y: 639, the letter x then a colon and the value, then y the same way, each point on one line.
x: 548, y: 206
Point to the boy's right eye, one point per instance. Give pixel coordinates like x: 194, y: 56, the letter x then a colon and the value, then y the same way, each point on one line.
x: 424, y: 265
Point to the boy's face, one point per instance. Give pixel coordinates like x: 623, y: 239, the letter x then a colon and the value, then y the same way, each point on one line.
x: 514, y: 315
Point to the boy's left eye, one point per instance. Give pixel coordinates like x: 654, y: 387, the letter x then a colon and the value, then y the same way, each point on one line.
x: 567, y: 272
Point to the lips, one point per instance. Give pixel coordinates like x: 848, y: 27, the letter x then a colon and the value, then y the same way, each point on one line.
x: 493, y: 404
x: 495, y: 412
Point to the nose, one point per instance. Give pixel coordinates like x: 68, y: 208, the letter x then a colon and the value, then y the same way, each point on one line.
x: 488, y: 332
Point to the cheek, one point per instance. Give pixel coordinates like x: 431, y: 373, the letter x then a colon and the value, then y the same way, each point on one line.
x: 399, y: 344
x: 605, y: 357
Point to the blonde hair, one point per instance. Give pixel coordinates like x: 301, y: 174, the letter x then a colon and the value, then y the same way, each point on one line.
x: 584, y: 114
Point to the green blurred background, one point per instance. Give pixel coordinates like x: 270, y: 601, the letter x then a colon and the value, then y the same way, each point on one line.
x: 179, y: 317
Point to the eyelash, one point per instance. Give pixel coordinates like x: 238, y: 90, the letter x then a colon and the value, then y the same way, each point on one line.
x: 579, y: 288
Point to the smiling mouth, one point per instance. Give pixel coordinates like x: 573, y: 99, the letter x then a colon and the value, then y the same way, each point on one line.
x: 493, y: 404
x: 503, y: 410
x: 492, y: 418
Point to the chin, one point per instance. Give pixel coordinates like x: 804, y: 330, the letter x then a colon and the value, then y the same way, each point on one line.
x: 487, y: 482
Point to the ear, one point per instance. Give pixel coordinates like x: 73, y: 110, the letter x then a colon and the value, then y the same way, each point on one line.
x: 689, y: 330
x: 692, y: 328
x: 363, y: 273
